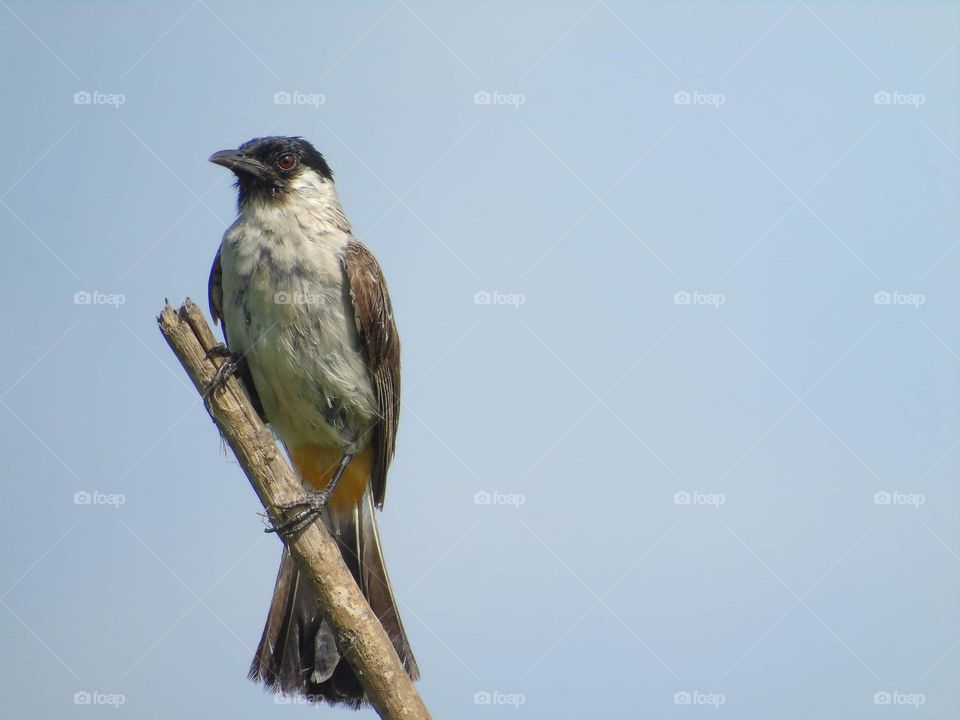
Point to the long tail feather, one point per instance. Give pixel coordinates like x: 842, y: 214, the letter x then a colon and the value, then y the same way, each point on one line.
x: 297, y: 654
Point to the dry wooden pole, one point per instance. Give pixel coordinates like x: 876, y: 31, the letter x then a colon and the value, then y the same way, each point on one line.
x: 360, y: 635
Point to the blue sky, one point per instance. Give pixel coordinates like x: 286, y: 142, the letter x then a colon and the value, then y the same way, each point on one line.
x: 677, y: 288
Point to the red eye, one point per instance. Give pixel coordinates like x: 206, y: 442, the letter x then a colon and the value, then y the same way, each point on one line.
x: 287, y: 161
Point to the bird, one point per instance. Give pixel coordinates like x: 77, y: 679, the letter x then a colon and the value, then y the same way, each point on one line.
x: 309, y: 329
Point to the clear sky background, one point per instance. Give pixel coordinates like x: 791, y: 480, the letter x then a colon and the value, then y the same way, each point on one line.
x: 582, y: 198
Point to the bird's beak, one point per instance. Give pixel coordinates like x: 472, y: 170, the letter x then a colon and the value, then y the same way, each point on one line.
x: 240, y: 163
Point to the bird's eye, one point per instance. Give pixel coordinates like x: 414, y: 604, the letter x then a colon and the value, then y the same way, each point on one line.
x: 287, y: 161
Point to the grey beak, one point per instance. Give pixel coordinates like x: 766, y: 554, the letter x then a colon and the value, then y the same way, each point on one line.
x: 239, y: 163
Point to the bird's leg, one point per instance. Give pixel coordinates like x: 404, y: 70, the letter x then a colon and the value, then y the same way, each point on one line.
x: 227, y: 370
x: 312, y: 503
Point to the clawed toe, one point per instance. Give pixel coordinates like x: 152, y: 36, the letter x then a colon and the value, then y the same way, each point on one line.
x: 227, y: 370
x: 312, y: 504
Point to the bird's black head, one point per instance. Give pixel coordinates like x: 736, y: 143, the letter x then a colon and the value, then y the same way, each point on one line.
x: 269, y: 165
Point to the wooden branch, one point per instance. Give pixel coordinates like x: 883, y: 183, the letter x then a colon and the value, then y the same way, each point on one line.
x: 360, y: 636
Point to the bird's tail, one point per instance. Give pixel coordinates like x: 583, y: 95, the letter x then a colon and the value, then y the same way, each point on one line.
x: 298, y: 654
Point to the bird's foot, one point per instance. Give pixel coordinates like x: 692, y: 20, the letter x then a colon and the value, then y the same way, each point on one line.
x: 312, y: 505
x: 227, y: 370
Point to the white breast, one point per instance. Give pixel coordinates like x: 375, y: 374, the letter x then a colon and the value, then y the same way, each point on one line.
x: 287, y: 309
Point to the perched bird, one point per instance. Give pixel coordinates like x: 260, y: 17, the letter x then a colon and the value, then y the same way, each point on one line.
x: 308, y: 323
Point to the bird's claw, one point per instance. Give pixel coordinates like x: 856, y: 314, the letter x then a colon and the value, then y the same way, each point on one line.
x: 226, y: 371
x: 312, y: 503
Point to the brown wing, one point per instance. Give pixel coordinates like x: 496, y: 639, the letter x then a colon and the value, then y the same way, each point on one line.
x: 381, y: 346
